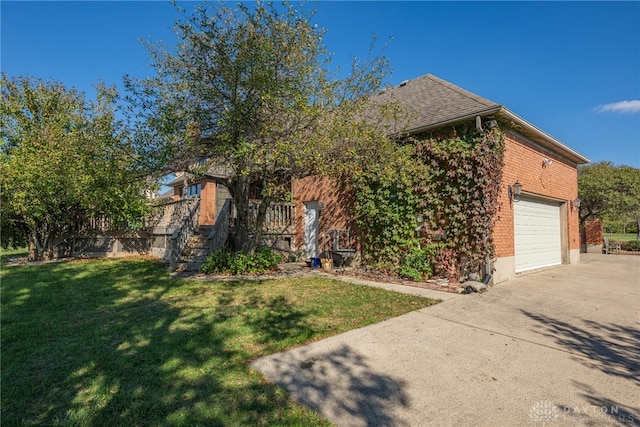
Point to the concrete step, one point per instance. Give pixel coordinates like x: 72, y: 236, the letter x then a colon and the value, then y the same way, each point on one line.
x: 193, y: 258
x: 196, y: 245
x: 199, y: 250
x: 188, y: 266
x: 204, y: 231
x: 201, y: 236
x: 196, y: 251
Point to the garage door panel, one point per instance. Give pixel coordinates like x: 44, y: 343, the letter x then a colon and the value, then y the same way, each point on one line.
x: 537, y: 234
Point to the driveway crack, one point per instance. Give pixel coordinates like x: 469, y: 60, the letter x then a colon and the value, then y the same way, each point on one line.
x: 505, y: 335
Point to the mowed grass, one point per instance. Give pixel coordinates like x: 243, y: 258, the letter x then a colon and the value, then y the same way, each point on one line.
x: 621, y: 236
x: 120, y: 342
x: 8, y: 253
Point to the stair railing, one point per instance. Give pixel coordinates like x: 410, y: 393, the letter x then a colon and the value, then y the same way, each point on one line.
x: 183, y: 233
x: 220, y: 231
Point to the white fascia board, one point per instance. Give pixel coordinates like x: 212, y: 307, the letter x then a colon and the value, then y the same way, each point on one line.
x: 555, y: 145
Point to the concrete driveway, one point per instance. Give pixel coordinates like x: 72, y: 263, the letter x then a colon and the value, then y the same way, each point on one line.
x: 559, y: 347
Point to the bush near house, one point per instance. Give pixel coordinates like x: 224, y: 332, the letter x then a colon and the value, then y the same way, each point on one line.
x: 416, y: 265
x: 629, y: 245
x: 222, y: 261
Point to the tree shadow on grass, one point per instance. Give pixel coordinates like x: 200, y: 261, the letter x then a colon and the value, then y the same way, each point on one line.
x: 278, y: 323
x: 339, y: 384
x: 113, y: 343
x: 609, y: 348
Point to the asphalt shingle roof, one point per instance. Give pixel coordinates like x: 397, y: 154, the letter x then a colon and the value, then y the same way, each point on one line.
x: 432, y: 101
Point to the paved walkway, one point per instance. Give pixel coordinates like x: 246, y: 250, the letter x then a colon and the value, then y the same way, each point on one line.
x: 557, y: 348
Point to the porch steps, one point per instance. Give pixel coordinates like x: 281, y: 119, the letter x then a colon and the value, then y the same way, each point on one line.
x: 196, y: 251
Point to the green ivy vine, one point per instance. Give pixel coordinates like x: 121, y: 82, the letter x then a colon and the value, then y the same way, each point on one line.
x: 451, y: 179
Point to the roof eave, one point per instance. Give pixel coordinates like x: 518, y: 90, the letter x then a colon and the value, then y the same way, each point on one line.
x: 482, y: 113
x: 549, y: 141
x: 546, y: 139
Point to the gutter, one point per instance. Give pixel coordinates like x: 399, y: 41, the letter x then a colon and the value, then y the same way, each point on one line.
x: 542, y: 137
x: 547, y: 140
x: 492, y: 110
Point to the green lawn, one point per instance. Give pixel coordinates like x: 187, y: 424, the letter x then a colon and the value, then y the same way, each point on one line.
x: 621, y: 236
x: 11, y: 253
x: 120, y: 342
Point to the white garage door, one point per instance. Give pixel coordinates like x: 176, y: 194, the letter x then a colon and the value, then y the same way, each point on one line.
x: 537, y: 234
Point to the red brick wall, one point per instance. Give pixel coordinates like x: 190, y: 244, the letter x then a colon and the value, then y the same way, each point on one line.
x: 524, y: 163
x: 593, y: 232
x: 335, y: 213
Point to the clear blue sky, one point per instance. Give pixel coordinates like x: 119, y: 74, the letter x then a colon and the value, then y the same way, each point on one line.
x: 570, y: 68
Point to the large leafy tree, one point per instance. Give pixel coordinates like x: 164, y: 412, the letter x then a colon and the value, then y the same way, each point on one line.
x: 628, y: 204
x: 609, y: 191
x: 251, y: 89
x: 62, y: 160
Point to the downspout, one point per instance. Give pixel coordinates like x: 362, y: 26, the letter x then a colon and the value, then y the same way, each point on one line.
x: 486, y: 274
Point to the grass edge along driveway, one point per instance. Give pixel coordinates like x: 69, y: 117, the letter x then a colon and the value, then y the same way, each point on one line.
x: 120, y: 342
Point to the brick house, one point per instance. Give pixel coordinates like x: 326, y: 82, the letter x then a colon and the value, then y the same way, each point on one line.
x: 536, y: 228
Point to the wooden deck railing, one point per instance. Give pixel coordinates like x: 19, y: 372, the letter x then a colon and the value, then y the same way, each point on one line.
x: 171, y: 214
x: 166, y: 215
x: 97, y: 225
x: 280, y: 217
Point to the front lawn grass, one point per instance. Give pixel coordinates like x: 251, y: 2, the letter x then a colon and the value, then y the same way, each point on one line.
x: 621, y: 236
x: 120, y: 342
x: 9, y: 253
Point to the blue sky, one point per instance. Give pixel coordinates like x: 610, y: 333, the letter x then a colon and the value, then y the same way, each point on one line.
x: 570, y: 68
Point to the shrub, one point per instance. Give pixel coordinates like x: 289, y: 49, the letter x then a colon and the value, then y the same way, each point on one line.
x: 630, y: 245
x: 447, y: 263
x: 222, y: 261
x: 218, y: 262
x: 267, y: 258
x: 416, y: 264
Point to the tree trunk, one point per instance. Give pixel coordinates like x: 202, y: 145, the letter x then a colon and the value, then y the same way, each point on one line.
x: 241, y: 201
x: 258, y: 233
x: 249, y: 229
x: 39, y: 244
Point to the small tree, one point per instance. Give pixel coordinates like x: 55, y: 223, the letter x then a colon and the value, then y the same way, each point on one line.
x: 596, y: 189
x: 61, y: 162
x: 609, y: 191
x: 627, y: 204
x: 251, y: 90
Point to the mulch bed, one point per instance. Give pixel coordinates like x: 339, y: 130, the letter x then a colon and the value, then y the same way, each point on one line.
x: 299, y: 269
x: 442, y: 285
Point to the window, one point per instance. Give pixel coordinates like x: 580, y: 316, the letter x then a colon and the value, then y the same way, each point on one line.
x: 194, y: 190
